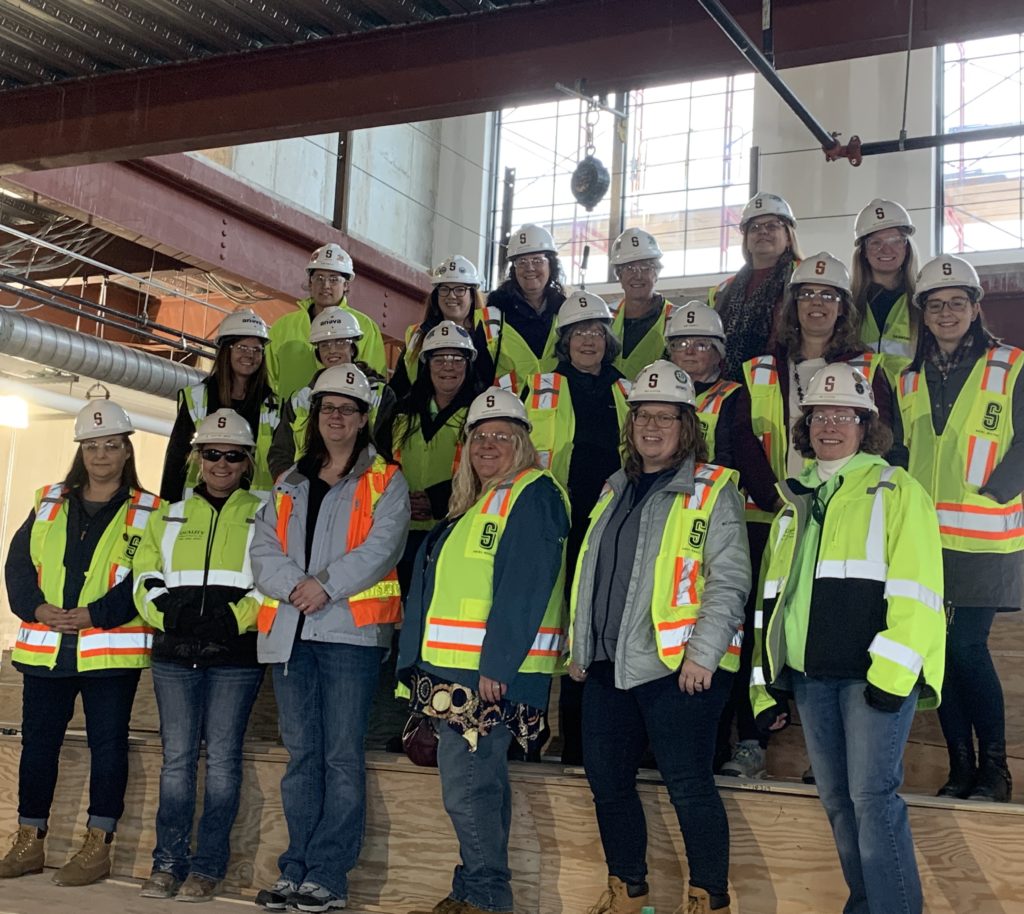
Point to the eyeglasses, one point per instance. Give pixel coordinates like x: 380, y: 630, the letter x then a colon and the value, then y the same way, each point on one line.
x: 243, y: 349
x: 587, y: 333
x: 827, y: 298
x: 638, y: 269
x: 828, y: 419
x: 213, y: 455
x: 457, y: 291
x: 938, y: 305
x: 108, y: 447
x: 328, y: 280
x: 446, y: 358
x: 768, y: 227
x: 529, y: 263
x: 690, y: 345
x: 875, y: 245
x: 658, y: 420
x: 490, y: 438
x: 346, y: 410
x: 335, y: 344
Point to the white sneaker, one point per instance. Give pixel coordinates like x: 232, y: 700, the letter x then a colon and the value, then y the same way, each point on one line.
x: 748, y: 761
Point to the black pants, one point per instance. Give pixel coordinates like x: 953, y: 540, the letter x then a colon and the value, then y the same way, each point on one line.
x: 48, y: 703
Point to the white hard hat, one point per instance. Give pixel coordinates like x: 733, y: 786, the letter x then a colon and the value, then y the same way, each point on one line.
x: 824, y: 269
x: 695, y: 319
x: 448, y: 335
x: 100, y: 418
x: 881, y: 214
x: 583, y: 306
x: 663, y: 382
x: 497, y: 403
x: 943, y: 272
x: 766, y: 205
x: 334, y: 323
x: 455, y: 269
x: 840, y: 384
x: 331, y: 257
x: 224, y: 426
x: 531, y: 239
x: 632, y: 245
x: 345, y: 381
x: 244, y: 322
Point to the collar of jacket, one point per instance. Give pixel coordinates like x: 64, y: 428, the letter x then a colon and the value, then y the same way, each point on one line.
x: 680, y: 483
x: 295, y: 479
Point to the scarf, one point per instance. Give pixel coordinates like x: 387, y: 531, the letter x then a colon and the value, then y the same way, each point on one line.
x: 749, y: 322
x: 945, y: 364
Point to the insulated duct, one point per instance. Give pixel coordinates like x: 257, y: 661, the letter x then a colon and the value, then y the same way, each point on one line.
x: 67, y: 350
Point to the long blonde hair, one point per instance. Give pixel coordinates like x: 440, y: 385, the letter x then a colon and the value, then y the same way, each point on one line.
x: 860, y: 280
x: 466, y: 485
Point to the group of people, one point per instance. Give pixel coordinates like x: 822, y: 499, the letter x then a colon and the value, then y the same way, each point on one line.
x: 807, y: 491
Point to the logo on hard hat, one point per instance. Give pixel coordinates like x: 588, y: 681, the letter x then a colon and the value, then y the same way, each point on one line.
x: 681, y: 376
x: 462, y: 331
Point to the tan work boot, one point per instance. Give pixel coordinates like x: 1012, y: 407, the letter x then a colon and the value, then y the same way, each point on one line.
x: 698, y: 901
x: 90, y: 864
x: 616, y: 899
x: 26, y: 854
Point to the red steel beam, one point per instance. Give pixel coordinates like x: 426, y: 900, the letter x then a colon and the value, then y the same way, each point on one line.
x: 450, y: 67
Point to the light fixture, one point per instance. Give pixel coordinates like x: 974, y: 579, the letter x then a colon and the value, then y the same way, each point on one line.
x: 13, y: 412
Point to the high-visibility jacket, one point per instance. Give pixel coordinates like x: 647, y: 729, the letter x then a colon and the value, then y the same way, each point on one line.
x: 551, y: 413
x: 302, y: 404
x: 876, y: 608
x: 709, y: 408
x: 651, y: 346
x: 953, y: 466
x: 125, y: 647
x: 427, y: 463
x: 679, y: 566
x: 291, y: 359
x: 515, y: 357
x: 379, y: 604
x: 195, y: 399
x: 892, y: 342
x: 768, y: 414
x: 190, y: 544
x: 456, y: 621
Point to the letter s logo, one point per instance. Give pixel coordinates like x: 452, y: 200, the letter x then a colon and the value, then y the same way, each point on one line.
x: 488, y: 535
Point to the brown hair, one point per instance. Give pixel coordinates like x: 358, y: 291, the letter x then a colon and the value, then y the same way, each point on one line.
x: 845, y: 335
x: 792, y: 248
x: 222, y: 375
x: 432, y: 316
x: 691, y: 441
x: 861, y: 280
x: 877, y: 435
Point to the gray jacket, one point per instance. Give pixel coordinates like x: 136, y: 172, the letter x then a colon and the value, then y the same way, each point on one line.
x: 726, y: 583
x: 340, y: 573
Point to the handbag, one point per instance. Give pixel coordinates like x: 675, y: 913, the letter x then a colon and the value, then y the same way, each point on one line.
x: 419, y: 740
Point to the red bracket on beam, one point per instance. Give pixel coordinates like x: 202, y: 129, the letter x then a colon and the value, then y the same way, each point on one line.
x: 850, y: 151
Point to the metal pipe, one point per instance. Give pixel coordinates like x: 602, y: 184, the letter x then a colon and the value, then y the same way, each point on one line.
x: 66, y: 350
x: 943, y: 139
x: 738, y: 37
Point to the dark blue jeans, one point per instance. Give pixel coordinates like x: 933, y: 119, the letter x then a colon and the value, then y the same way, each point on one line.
x: 48, y: 703
x: 323, y: 701
x: 681, y: 728
x: 972, y: 697
x: 209, y: 705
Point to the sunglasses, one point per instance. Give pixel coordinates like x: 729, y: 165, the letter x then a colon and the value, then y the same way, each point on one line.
x: 213, y: 455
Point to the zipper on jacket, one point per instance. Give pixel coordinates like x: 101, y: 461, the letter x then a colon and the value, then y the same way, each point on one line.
x: 209, y: 550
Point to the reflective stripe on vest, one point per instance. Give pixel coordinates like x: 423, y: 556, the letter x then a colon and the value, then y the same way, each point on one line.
x: 492, y: 321
x: 709, y: 407
x: 767, y: 416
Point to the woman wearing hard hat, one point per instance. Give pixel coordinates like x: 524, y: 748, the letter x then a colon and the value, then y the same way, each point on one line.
x: 481, y: 638
x: 335, y: 335
x: 750, y: 301
x: 640, y: 318
x: 324, y: 553
x: 69, y: 580
x: 455, y: 297
x: 656, y: 631
x: 853, y: 630
x: 884, y: 270
x: 238, y: 381
x: 961, y: 406
x: 520, y: 313
x: 290, y: 361
x: 193, y: 584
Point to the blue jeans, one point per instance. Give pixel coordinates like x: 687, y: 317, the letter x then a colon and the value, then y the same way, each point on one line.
x: 857, y: 756
x: 478, y: 799
x: 210, y: 705
x: 323, y: 701
x: 681, y: 730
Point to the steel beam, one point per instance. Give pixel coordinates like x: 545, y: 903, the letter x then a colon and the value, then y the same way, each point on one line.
x: 489, y: 61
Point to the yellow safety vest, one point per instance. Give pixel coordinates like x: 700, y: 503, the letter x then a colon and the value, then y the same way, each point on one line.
x: 456, y: 621
x: 427, y: 463
x: 515, y: 357
x: 651, y: 346
x: 679, y: 566
x: 893, y: 343
x: 195, y: 399
x: 553, y: 418
x: 126, y: 646
x: 953, y: 466
x: 709, y: 408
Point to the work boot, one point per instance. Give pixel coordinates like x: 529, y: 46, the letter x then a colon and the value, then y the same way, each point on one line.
x: 698, y: 901
x: 198, y: 888
x: 993, y: 783
x: 91, y: 863
x: 446, y: 905
x: 621, y: 898
x: 160, y: 885
x: 963, y: 771
x: 748, y: 761
x: 26, y: 855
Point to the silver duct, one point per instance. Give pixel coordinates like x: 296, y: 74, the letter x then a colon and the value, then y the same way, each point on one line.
x: 68, y: 350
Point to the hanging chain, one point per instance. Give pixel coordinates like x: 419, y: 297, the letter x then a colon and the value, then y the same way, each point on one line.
x: 593, y: 116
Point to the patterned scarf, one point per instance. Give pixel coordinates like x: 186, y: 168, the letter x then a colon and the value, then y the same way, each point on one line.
x: 749, y: 322
x: 944, y: 363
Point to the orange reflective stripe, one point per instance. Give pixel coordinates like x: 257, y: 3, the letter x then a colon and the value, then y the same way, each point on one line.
x: 285, y: 503
x: 382, y: 603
